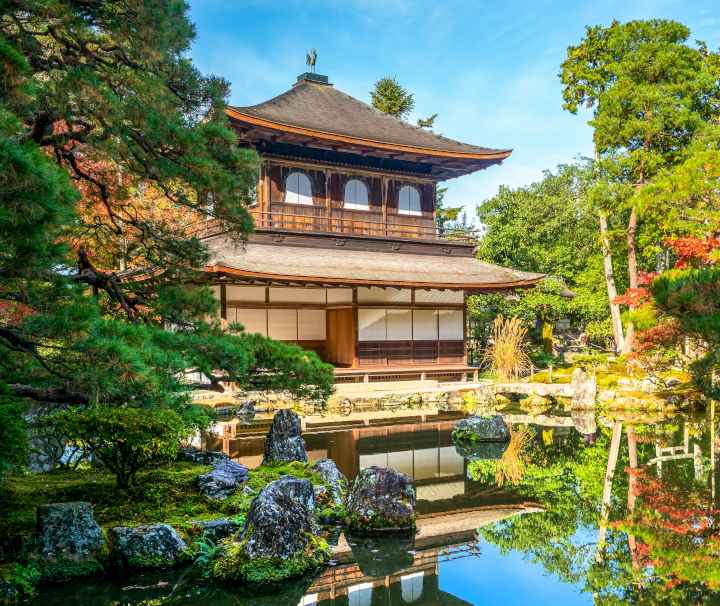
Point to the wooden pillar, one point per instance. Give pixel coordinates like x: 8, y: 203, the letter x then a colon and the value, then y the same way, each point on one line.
x: 328, y: 201
x: 265, y: 205
x: 223, y: 302
x: 384, y: 195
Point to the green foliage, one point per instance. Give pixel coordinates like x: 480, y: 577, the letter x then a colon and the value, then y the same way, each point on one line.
x: 390, y: 97
x: 165, y: 494
x: 692, y: 297
x: 549, y: 227
x: 206, y: 552
x: 13, y: 433
x: 112, y: 140
x: 25, y: 579
x: 126, y: 440
x: 427, y: 122
x: 59, y: 571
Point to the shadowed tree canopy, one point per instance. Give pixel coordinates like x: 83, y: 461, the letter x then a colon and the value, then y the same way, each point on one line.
x: 112, y: 145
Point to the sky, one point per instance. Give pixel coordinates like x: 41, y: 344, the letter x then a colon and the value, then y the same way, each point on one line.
x: 489, y: 68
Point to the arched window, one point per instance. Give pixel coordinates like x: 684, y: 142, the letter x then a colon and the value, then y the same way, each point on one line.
x: 356, y: 195
x: 409, y: 201
x: 298, y: 189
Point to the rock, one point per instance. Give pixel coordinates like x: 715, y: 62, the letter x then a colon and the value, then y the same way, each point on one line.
x: 202, y: 457
x: 535, y: 404
x: 279, y: 540
x: 283, y: 443
x: 473, y: 451
x: 70, y: 541
x: 224, y: 478
x: 585, y: 388
x: 502, y: 401
x: 381, y: 499
x: 584, y: 421
x: 382, y: 555
x: 146, y: 546
x: 481, y: 429
x: 218, y: 529
x: 333, y: 477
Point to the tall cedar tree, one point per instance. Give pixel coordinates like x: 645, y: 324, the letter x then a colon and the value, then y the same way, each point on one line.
x: 390, y: 97
x: 650, y: 92
x: 98, y: 103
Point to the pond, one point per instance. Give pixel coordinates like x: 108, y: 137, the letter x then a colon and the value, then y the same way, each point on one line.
x: 608, y: 509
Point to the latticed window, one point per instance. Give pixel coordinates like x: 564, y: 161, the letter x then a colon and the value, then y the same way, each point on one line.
x: 298, y: 189
x: 409, y: 201
x: 356, y: 195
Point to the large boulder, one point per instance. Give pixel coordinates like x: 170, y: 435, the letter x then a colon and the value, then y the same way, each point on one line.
x: 222, y: 480
x: 279, y: 540
x: 584, y: 388
x: 70, y: 541
x: 381, y: 499
x: 481, y: 429
x: 337, y: 485
x: 283, y: 443
x: 147, y: 546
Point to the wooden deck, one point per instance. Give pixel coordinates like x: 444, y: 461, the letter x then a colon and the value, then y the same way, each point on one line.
x: 437, y: 372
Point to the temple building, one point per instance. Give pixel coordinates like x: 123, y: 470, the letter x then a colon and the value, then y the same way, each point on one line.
x: 347, y: 258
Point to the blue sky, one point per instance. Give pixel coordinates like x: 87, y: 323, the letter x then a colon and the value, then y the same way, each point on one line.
x: 488, y: 68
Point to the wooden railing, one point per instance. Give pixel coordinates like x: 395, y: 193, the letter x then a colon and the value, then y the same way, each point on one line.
x: 315, y: 219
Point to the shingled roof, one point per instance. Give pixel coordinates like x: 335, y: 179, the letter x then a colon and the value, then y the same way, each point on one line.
x: 315, y: 113
x: 260, y: 261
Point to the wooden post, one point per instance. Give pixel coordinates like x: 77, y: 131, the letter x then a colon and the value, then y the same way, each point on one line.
x: 383, y: 195
x: 328, y: 201
x: 223, y: 302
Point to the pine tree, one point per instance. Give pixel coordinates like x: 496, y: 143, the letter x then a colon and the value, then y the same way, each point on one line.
x: 390, y: 97
x: 98, y: 104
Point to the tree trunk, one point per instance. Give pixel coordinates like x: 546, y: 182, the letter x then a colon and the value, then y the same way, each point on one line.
x: 547, y: 337
x: 632, y: 272
x: 610, y: 283
x: 607, y: 489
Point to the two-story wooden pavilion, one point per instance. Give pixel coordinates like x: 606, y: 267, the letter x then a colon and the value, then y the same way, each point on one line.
x: 347, y: 259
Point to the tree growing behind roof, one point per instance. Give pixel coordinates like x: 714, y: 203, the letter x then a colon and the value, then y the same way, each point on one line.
x: 390, y: 97
x: 97, y: 101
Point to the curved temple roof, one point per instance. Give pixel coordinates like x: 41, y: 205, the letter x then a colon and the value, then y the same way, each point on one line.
x: 320, y: 111
x: 258, y: 261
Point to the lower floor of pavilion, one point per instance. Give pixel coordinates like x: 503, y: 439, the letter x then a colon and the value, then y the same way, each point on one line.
x: 393, y: 330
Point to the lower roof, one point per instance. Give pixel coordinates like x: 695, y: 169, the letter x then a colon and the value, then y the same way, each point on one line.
x: 266, y: 262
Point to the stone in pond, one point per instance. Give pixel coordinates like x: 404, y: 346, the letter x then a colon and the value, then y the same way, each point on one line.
x: 382, y: 555
x: 481, y: 429
x: 279, y: 540
x: 146, y: 546
x: 283, y: 443
x: 333, y: 477
x: 473, y: 451
x: 381, y: 499
x: 70, y: 541
x: 222, y: 480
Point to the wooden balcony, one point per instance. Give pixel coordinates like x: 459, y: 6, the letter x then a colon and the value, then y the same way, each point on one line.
x: 348, y: 222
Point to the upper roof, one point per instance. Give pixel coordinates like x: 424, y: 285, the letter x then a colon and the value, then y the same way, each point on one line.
x: 315, y: 109
x: 295, y: 264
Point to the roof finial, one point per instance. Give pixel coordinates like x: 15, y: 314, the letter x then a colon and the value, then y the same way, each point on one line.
x: 310, y: 59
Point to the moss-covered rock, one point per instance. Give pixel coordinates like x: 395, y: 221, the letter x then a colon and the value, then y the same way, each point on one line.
x: 481, y: 429
x: 280, y: 538
x: 535, y: 404
x: 147, y: 546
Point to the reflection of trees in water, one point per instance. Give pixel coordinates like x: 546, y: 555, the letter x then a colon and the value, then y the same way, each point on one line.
x: 613, y: 526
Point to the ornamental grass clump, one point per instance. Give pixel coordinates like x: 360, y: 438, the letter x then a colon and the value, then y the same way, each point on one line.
x: 506, y: 354
x: 509, y: 468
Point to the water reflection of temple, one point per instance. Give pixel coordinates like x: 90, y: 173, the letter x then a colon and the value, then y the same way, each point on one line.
x: 451, y: 507
x: 418, y: 445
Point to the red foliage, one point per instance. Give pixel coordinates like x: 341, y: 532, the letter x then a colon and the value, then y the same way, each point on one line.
x: 692, y: 251
x: 666, y: 334
x: 633, y: 297
x: 12, y: 313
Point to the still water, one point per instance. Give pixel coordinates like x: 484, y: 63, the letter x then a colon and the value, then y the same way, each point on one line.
x: 619, y: 509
